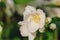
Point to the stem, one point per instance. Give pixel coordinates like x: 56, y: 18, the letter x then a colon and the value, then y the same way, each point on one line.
x: 0, y: 35
x: 1, y: 16
x: 50, y: 36
x: 41, y: 37
x: 25, y: 38
x: 7, y: 19
x: 56, y: 34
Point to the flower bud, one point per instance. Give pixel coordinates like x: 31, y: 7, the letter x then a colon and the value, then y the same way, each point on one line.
x: 41, y: 30
x: 53, y: 26
x: 48, y: 20
x: 0, y: 28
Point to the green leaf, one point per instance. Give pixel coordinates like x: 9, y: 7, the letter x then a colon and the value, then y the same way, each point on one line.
x: 56, y: 20
x: 21, y: 1
x: 16, y: 38
x: 1, y: 23
x: 51, y: 5
x: 2, y: 5
x: 36, y: 38
x: 50, y: 36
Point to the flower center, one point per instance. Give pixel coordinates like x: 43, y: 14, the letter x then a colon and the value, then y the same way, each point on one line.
x: 36, y: 18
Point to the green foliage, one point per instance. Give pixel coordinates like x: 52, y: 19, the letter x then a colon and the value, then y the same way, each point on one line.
x: 21, y: 1
x: 2, y: 5
x: 1, y: 23
x: 51, y: 5
x: 56, y: 20
x: 16, y: 38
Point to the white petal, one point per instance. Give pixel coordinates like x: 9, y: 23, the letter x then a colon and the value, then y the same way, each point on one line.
x: 22, y: 23
x: 42, y: 16
x: 31, y: 36
x: 30, y: 8
x: 33, y: 27
x: 24, y: 31
x: 28, y: 11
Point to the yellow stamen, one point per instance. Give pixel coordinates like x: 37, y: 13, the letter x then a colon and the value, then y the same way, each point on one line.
x: 36, y: 18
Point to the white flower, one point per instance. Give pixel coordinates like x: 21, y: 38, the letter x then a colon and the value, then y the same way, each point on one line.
x: 48, y: 20
x: 33, y: 20
x: 0, y: 28
x: 53, y: 26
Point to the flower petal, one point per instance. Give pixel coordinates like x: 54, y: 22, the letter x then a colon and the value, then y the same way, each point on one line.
x: 32, y: 36
x: 32, y: 26
x: 28, y: 11
x: 42, y: 16
x: 24, y: 31
x: 21, y: 23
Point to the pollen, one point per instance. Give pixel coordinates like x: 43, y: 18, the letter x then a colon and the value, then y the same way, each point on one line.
x: 36, y: 18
